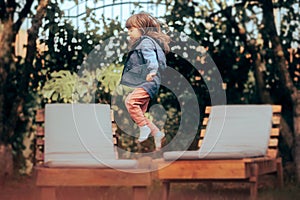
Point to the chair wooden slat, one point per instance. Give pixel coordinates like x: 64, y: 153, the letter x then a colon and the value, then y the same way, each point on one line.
x: 205, y: 121
x: 275, y: 132
x: 39, y: 156
x: 273, y: 153
x: 40, y: 130
x: 202, y: 133
x: 40, y: 115
x: 276, y: 108
x: 40, y: 141
x: 207, y: 109
x: 200, y: 143
x: 276, y: 120
x: 273, y: 142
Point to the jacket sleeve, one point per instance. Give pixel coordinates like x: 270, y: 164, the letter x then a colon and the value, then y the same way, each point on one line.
x: 148, y: 50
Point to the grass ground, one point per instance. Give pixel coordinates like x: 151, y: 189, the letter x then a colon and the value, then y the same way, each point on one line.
x: 23, y: 188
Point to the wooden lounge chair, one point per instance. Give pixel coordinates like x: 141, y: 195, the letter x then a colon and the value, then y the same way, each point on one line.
x: 79, y: 151
x: 237, y: 143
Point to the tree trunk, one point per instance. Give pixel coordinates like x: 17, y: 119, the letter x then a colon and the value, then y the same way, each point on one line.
x: 297, y: 133
x: 265, y: 97
x: 263, y: 94
x: 6, y: 162
x: 37, y: 21
x: 7, y: 38
x: 10, y: 109
x: 281, y: 64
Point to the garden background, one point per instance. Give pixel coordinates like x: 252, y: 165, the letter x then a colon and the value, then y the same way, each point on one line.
x: 44, y: 44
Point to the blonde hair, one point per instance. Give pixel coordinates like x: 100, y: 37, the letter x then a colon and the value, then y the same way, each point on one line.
x: 149, y: 26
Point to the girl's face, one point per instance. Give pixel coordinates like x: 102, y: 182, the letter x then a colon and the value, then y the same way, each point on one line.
x: 134, y: 33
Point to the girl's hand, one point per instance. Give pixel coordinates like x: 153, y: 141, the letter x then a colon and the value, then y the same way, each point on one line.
x: 150, y: 76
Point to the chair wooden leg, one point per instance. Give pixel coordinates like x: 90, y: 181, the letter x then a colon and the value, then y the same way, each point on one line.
x: 209, y: 186
x: 253, y: 181
x: 140, y: 192
x: 166, y: 190
x: 47, y: 193
x: 279, y: 173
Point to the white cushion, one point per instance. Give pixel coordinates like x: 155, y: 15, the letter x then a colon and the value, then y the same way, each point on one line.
x: 232, y: 132
x: 80, y: 135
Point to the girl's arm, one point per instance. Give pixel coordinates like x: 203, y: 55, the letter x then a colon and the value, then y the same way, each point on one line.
x: 148, y: 50
x: 150, y: 76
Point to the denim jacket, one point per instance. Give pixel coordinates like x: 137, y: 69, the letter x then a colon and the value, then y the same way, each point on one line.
x: 145, y: 57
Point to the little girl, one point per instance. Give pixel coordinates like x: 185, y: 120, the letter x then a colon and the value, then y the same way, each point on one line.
x: 141, y: 70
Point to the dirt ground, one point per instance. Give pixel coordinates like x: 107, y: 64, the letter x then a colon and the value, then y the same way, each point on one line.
x: 23, y: 188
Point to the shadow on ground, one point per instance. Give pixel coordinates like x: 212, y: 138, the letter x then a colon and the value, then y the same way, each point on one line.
x: 23, y: 188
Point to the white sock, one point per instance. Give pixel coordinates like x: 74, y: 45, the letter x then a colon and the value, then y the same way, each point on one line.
x: 157, y: 139
x: 144, y: 133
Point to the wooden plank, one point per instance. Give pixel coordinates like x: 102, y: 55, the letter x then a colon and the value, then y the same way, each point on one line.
x: 40, y: 115
x: 257, y: 159
x: 279, y: 171
x: 205, y: 121
x: 275, y: 132
x: 47, y: 193
x: 202, y: 133
x: 207, y: 109
x: 39, y: 156
x: 40, y: 141
x: 112, y: 115
x: 253, y: 181
x: 267, y: 167
x: 114, y: 126
x: 90, y: 177
x: 276, y: 108
x: 276, y: 120
x: 203, y: 169
x: 40, y: 131
x: 272, y: 153
x: 115, y: 141
x: 200, y: 143
x: 273, y: 142
x: 265, y: 164
x: 165, y: 190
x: 140, y: 193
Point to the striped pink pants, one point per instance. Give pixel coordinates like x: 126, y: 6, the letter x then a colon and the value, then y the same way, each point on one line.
x: 137, y: 103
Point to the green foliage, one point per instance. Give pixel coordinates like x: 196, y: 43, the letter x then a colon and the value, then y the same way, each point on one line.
x: 69, y: 87
x: 109, y: 77
x: 234, y: 35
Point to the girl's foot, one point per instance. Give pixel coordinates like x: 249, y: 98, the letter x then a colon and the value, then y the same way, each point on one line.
x: 157, y: 140
x: 144, y: 133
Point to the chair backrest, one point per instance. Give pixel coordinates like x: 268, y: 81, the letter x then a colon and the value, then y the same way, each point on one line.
x: 252, y: 121
x: 78, y: 131
x: 80, y: 135
x: 40, y: 135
